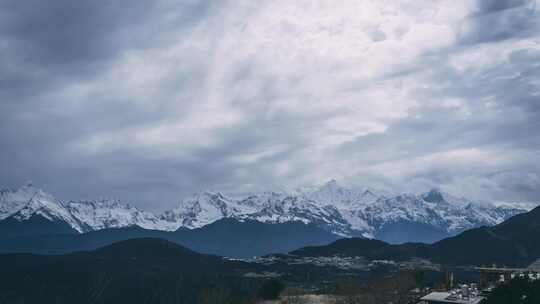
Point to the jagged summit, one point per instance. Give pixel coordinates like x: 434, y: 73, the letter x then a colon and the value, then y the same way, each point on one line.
x: 434, y: 196
x: 13, y: 200
x: 204, y: 208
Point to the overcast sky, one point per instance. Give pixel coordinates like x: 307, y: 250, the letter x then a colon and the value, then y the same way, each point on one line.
x: 149, y: 101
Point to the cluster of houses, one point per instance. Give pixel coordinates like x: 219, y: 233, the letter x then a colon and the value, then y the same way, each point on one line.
x: 471, y: 294
x: 466, y: 294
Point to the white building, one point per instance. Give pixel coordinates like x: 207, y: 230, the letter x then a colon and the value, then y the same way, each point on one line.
x: 447, y: 297
x: 464, y: 295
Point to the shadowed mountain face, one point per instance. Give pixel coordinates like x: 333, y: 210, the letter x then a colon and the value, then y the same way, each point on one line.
x: 230, y: 237
x: 36, y: 225
x: 345, y: 247
x: 134, y: 271
x: 226, y: 237
x: 513, y: 242
x: 407, y: 231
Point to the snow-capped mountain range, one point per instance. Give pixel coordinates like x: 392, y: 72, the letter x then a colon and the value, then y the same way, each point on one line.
x: 83, y: 216
x: 342, y: 211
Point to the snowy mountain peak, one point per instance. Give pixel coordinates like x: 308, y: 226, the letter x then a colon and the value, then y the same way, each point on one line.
x: 28, y: 184
x: 434, y: 196
x: 13, y: 200
x: 112, y: 213
x: 27, y: 201
x: 331, y: 193
x: 202, y: 208
x: 44, y: 206
x: 332, y: 186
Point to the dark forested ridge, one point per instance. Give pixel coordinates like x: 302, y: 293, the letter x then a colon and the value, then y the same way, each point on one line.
x: 155, y: 270
x: 225, y: 237
x: 518, y: 291
x: 346, y: 247
x: 134, y: 271
x: 513, y: 242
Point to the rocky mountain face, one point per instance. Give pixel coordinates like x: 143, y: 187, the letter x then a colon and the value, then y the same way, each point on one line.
x: 342, y: 211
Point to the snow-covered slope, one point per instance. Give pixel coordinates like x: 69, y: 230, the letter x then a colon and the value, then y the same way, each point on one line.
x: 51, y: 210
x: 108, y: 213
x: 83, y: 216
x: 275, y: 207
x: 439, y: 210
x: 27, y: 201
x: 12, y: 200
x: 204, y: 208
x: 343, y: 211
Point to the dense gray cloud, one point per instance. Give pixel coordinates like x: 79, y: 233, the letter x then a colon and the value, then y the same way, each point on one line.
x: 496, y: 20
x: 149, y: 102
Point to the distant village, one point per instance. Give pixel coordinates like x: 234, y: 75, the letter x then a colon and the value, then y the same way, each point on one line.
x: 451, y: 291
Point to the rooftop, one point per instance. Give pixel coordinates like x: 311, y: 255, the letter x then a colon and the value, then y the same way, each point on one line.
x: 535, y: 266
x: 448, y: 297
